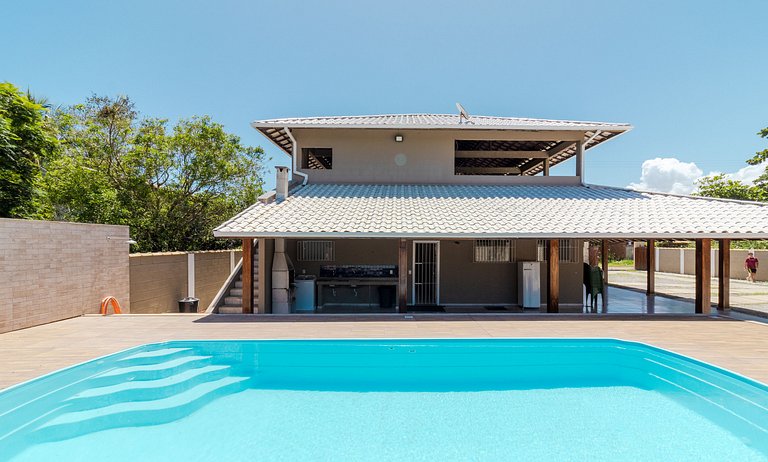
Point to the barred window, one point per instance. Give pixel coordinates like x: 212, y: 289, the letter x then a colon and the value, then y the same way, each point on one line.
x: 567, y: 250
x: 494, y: 251
x: 315, y: 251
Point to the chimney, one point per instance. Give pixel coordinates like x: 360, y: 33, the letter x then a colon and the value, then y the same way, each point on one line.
x: 281, y: 185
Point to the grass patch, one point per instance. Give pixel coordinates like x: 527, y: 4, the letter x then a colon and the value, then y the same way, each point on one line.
x: 627, y: 263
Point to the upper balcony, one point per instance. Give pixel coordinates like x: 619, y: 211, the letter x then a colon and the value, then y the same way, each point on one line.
x: 436, y: 149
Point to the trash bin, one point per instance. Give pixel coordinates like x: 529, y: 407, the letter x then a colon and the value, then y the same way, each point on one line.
x: 188, y: 305
x: 386, y: 296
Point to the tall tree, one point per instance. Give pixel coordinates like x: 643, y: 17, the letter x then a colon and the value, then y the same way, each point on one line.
x: 172, y: 184
x: 723, y: 187
x: 26, y: 141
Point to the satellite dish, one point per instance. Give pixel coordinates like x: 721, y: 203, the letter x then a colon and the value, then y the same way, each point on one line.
x: 462, y: 112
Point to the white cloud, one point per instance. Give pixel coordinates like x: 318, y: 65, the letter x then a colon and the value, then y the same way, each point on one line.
x: 668, y: 175
x: 748, y: 174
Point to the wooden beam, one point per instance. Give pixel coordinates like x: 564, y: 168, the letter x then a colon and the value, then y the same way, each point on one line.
x: 651, y: 273
x: 551, y: 152
x: 402, y: 275
x: 703, y: 273
x: 604, y: 261
x: 553, y: 276
x: 502, y: 154
x: 488, y: 170
x: 559, y: 147
x: 526, y: 135
x: 247, y: 276
x: 724, y: 275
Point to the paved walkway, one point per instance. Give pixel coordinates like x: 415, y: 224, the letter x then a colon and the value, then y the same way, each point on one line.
x: 741, y: 346
x: 745, y: 295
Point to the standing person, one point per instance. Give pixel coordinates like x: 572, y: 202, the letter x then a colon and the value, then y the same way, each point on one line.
x: 750, y: 264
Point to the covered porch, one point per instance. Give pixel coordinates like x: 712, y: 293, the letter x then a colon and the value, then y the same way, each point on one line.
x: 377, y: 276
x: 448, y: 248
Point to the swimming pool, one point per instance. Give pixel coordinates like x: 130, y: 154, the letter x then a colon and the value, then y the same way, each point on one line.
x: 498, y: 399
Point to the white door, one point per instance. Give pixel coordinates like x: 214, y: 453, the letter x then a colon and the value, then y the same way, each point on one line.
x: 426, y: 272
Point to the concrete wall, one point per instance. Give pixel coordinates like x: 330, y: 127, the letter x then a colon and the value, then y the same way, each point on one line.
x: 425, y: 156
x: 669, y: 262
x: 51, y: 271
x: 159, y: 280
x: 462, y: 281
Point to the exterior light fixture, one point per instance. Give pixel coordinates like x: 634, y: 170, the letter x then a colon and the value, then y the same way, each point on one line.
x: 399, y: 138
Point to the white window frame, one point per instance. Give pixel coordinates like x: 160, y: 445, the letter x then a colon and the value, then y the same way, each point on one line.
x: 494, y: 251
x: 324, y: 251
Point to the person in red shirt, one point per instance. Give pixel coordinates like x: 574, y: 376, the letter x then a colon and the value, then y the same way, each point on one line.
x: 750, y: 264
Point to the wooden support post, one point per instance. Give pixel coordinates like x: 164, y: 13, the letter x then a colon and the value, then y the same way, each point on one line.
x: 247, y: 276
x: 260, y: 271
x: 553, y: 276
x: 703, y: 274
x: 604, y: 261
x: 402, y: 275
x: 546, y: 167
x: 651, y: 273
x: 724, y: 275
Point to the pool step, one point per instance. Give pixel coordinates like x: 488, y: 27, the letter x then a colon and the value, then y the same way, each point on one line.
x: 141, y: 413
x: 145, y: 390
x: 153, y: 356
x: 150, y: 371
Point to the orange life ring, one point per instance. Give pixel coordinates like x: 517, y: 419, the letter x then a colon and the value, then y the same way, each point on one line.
x: 110, y: 301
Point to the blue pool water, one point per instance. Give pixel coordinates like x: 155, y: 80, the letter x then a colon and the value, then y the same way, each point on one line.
x: 532, y: 400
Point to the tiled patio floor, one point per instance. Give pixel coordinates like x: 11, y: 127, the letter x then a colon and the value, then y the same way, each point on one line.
x: 750, y: 297
x: 741, y: 346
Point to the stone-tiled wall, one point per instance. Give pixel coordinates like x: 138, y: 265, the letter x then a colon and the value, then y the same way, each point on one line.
x: 52, y: 270
x: 159, y: 280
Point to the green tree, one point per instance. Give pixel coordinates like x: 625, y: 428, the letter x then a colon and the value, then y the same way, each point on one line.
x: 760, y: 157
x: 723, y: 187
x: 172, y: 184
x: 26, y: 141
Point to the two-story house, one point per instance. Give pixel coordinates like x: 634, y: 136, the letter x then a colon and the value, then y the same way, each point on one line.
x: 427, y: 212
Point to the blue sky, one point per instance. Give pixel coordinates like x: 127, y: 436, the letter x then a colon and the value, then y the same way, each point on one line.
x: 689, y: 75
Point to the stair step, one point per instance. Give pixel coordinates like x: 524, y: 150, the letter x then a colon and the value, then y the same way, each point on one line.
x: 236, y: 292
x: 233, y: 300
x: 239, y: 284
x: 145, y: 390
x: 141, y: 413
x: 153, y: 356
x: 151, y: 371
x: 231, y: 309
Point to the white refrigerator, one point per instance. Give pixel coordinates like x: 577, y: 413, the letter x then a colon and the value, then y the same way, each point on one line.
x: 529, y: 284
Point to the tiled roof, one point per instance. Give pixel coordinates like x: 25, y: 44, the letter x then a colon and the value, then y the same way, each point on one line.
x: 451, y: 121
x: 477, y: 211
x: 274, y: 129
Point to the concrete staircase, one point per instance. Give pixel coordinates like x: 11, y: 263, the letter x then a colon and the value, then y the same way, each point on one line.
x: 233, y: 300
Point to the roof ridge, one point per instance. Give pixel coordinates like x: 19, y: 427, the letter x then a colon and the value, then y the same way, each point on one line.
x: 686, y: 196
x: 431, y: 114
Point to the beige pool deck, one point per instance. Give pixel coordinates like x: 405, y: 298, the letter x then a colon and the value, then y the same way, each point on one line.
x: 740, y: 346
